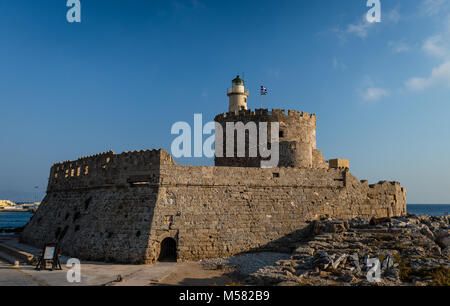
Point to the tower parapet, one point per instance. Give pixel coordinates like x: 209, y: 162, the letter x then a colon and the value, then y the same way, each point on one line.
x: 296, y: 135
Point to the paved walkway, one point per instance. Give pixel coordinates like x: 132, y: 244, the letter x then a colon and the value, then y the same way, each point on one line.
x: 10, y: 276
x: 92, y: 273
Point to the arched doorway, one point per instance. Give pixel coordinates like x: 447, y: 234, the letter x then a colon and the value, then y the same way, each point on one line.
x: 168, y: 250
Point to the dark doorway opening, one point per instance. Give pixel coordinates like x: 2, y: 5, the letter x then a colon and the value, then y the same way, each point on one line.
x: 168, y: 250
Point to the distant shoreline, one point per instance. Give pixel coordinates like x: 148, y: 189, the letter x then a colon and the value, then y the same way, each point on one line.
x: 16, y: 210
x: 427, y: 204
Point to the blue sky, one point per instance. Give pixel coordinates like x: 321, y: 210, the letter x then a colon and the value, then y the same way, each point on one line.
x: 126, y: 73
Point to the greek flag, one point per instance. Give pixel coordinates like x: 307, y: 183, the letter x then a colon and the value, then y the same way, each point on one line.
x: 263, y: 91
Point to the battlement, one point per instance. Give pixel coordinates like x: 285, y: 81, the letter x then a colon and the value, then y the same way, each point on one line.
x: 266, y: 114
x: 88, y: 158
x: 382, y: 186
x: 137, y: 199
x: 339, y: 163
x: 385, y: 184
x: 105, y: 168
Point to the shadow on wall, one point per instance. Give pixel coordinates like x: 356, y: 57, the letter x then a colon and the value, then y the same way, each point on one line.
x: 286, y: 244
x: 94, y: 225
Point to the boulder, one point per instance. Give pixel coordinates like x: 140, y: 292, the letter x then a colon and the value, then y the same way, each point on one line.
x: 341, y: 259
x: 443, y: 238
x: 446, y: 252
x: 322, y: 260
x: 304, y: 250
x: 377, y: 221
x: 288, y: 284
x: 425, y: 230
x: 354, y: 261
x: 387, y: 263
x: 393, y: 275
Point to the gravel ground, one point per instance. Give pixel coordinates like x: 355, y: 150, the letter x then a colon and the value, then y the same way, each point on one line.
x: 245, y: 264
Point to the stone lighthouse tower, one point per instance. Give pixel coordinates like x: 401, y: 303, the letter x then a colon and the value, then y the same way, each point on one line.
x: 238, y: 95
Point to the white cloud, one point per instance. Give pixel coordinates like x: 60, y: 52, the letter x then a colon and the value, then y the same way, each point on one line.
x: 436, y: 46
x: 362, y: 27
x: 417, y: 84
x: 398, y: 47
x: 359, y: 29
x: 439, y: 75
x: 393, y: 16
x: 374, y: 94
x: 338, y: 65
x: 433, y: 7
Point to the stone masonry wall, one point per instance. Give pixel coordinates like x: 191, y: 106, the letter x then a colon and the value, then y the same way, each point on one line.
x: 104, y: 213
x: 123, y: 211
x: 261, y: 209
x: 297, y: 137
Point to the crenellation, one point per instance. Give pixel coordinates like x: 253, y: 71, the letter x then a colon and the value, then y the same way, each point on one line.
x: 297, y: 138
x: 188, y: 203
x: 278, y: 112
x: 293, y: 113
x: 101, y: 169
x: 248, y: 114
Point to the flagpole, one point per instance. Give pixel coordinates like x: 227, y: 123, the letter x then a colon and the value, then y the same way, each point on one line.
x: 263, y: 92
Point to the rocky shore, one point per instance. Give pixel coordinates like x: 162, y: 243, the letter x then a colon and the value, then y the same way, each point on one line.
x: 411, y: 250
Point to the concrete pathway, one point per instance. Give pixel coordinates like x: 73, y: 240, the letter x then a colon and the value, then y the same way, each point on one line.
x: 92, y: 273
x: 10, y: 276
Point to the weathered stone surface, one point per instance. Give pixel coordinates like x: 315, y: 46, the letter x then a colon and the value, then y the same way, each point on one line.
x: 339, y: 163
x: 297, y: 138
x: 304, y: 250
x: 427, y: 232
x: 120, y: 207
x: 443, y: 238
x: 406, y: 255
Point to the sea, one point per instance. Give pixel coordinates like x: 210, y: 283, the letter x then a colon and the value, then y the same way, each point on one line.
x: 17, y: 219
x: 429, y: 209
x: 14, y: 219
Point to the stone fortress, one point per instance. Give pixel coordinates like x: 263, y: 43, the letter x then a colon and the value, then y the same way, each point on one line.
x: 139, y: 207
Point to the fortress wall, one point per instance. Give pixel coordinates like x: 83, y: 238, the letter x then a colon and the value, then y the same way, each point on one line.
x: 318, y: 160
x: 385, y: 199
x: 242, y: 176
x: 107, y: 169
x: 390, y: 193
x: 105, y: 224
x: 211, y: 216
x: 209, y: 211
x: 104, y: 214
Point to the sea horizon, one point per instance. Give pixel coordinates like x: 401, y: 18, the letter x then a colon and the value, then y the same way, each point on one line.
x: 10, y: 220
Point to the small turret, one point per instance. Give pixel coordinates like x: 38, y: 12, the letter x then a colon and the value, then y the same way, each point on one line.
x: 238, y: 95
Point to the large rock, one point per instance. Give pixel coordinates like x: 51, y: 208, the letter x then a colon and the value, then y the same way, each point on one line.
x: 427, y: 232
x: 446, y: 252
x: 354, y: 261
x: 304, y: 250
x: 443, y: 238
x: 376, y: 221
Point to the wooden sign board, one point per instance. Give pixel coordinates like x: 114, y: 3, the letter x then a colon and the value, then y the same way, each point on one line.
x: 49, y: 252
